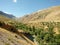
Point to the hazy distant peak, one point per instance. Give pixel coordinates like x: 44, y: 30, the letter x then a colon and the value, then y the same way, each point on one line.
x: 7, y: 15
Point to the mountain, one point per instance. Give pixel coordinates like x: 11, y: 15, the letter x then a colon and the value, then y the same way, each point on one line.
x: 7, y: 15
x: 51, y: 14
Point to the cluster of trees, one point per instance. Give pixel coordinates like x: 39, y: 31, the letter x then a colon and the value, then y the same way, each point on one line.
x: 45, y: 34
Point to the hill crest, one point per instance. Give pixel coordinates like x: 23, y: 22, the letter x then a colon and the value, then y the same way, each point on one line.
x: 51, y: 14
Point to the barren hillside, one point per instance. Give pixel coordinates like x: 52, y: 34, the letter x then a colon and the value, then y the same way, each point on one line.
x: 50, y: 14
x: 9, y: 38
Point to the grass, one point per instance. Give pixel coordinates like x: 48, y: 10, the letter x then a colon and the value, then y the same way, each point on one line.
x: 7, y: 44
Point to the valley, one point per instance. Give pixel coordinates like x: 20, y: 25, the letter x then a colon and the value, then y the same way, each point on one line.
x: 38, y: 28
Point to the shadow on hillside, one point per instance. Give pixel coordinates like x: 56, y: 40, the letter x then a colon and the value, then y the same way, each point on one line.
x: 29, y: 36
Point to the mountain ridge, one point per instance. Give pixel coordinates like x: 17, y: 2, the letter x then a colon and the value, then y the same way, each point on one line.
x: 47, y: 15
x: 7, y: 15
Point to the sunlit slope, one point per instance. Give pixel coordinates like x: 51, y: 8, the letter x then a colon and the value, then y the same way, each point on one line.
x: 3, y: 18
x: 51, y: 14
x: 6, y: 17
x: 9, y: 38
x: 7, y: 20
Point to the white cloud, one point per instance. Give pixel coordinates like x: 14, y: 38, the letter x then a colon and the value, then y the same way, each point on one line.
x: 7, y: 12
x: 14, y: 1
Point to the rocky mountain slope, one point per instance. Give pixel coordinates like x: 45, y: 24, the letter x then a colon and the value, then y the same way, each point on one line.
x: 51, y: 14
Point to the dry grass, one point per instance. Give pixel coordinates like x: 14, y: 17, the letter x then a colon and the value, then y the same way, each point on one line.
x: 9, y: 37
x: 46, y: 15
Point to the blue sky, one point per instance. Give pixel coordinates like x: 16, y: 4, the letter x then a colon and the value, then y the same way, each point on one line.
x: 22, y: 7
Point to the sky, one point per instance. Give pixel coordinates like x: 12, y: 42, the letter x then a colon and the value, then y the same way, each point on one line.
x: 20, y: 8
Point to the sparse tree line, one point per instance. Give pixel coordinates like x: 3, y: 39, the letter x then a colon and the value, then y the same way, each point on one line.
x: 44, y: 35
